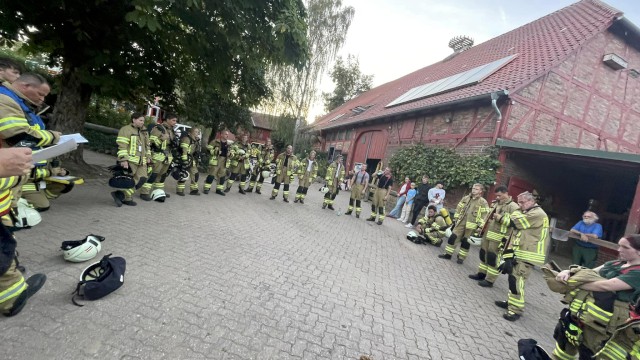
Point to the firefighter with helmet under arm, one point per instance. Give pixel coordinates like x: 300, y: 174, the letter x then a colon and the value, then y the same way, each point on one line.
x: 469, y: 220
x: 498, y: 229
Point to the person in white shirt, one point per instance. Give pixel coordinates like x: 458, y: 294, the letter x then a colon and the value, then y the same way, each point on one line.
x: 436, y: 195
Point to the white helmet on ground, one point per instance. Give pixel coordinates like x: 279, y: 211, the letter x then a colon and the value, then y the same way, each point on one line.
x: 324, y: 189
x: 475, y: 240
x: 412, y: 235
x: 25, y: 215
x: 158, y: 195
x: 82, y: 250
x: 266, y: 174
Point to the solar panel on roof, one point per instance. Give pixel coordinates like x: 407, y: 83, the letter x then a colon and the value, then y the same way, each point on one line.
x: 466, y: 78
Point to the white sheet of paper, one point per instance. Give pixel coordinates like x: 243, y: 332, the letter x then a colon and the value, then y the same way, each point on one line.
x: 55, y: 150
x: 77, y: 137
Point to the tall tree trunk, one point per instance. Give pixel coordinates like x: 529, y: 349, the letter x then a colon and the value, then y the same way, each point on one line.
x: 70, y: 111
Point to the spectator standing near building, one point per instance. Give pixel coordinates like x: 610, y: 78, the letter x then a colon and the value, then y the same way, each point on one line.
x: 408, y: 204
x: 436, y: 195
x: 585, y: 253
x: 402, y: 196
x: 422, y: 199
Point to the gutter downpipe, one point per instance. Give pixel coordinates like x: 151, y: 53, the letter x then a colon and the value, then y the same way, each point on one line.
x: 494, y: 103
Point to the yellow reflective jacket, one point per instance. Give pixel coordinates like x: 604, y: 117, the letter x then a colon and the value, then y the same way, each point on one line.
x: 530, y: 238
x: 161, y: 138
x: 472, y: 212
x: 331, y: 173
x: 303, y: 173
x: 292, y: 163
x: 133, y: 145
x: 497, y: 230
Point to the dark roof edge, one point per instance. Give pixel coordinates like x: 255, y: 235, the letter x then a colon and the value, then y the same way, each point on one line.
x: 608, y: 155
x: 627, y: 30
x: 472, y: 99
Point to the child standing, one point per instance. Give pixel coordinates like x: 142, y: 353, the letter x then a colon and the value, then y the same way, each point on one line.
x: 408, y: 204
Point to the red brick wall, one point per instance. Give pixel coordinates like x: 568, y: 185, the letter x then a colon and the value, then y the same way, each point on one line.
x: 581, y: 102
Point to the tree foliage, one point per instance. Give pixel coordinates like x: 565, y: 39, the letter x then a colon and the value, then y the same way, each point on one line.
x: 204, y: 57
x: 349, y: 80
x: 444, y: 164
x: 295, y: 89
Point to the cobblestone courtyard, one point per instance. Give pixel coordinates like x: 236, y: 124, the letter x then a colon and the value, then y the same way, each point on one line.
x: 242, y: 277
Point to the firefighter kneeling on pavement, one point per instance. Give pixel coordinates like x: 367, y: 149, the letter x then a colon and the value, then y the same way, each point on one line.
x: 469, y: 220
x: 432, y: 228
x: 602, y: 319
x: 46, y: 183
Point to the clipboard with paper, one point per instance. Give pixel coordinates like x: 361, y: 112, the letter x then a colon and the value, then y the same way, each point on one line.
x: 55, y: 150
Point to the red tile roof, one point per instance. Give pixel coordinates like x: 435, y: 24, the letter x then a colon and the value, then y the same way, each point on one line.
x: 540, y: 45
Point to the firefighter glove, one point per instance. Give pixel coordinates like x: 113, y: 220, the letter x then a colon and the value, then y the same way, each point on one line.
x: 509, y: 262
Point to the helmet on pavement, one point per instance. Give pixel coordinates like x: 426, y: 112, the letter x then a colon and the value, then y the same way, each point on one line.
x: 266, y: 174
x: 158, y: 195
x: 82, y: 250
x: 180, y: 174
x: 25, y: 215
x: 324, y: 189
x: 412, y: 235
x: 475, y: 240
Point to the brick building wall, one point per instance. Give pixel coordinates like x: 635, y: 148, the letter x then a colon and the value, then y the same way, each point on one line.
x: 581, y: 103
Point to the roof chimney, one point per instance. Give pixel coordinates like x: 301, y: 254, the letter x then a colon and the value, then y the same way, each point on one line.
x: 460, y: 43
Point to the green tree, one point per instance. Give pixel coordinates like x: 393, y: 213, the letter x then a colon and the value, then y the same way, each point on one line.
x: 205, y: 57
x: 295, y: 89
x: 350, y: 82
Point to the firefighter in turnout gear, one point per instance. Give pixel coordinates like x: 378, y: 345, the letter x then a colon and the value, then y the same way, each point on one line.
x: 266, y: 157
x: 359, y: 183
x: 307, y: 172
x: 469, y: 220
x: 525, y: 249
x: 133, y: 154
x: 255, y: 162
x: 162, y: 139
x: 334, y: 177
x: 218, y: 162
x: 432, y: 227
x: 497, y: 230
x: 42, y: 185
x: 189, y: 145
x: 239, y: 164
x: 19, y: 123
x: 286, y: 164
x: 603, y: 317
x: 382, y: 188
x: 14, y: 289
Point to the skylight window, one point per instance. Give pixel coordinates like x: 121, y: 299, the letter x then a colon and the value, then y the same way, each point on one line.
x: 360, y: 109
x: 337, y: 117
x: 459, y: 80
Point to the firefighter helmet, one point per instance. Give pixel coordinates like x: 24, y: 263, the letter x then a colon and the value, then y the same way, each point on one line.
x: 448, y: 232
x: 412, y: 236
x: 121, y: 178
x: 158, y: 195
x: 241, y: 152
x: 475, y: 240
x: 82, y: 250
x: 179, y: 174
x: 25, y: 215
x: 324, y: 189
x: 266, y: 174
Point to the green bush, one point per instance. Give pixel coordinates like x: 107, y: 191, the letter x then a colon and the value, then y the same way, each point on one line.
x: 445, y: 165
x: 101, y: 142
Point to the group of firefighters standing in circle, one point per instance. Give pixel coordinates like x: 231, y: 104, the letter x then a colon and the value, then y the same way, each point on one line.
x: 512, y: 235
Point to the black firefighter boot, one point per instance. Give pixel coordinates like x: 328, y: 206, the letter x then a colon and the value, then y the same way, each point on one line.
x: 478, y: 276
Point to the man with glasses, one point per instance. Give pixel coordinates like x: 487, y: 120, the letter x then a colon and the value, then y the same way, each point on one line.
x: 584, y: 251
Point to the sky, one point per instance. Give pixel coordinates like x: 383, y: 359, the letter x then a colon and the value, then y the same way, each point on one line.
x: 392, y: 38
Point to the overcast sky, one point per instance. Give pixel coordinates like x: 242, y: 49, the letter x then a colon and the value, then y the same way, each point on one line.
x: 392, y: 38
